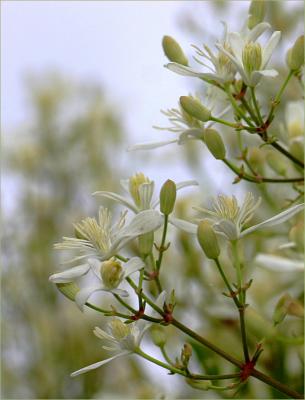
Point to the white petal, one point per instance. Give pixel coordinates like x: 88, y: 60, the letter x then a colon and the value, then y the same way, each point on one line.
x: 288, y: 245
x: 120, y: 292
x: 269, y: 48
x: 161, y: 299
x: 146, y: 191
x: 277, y: 219
x: 101, y: 334
x: 84, y: 294
x: 276, y: 263
x: 228, y: 228
x: 133, y: 265
x: 95, y: 266
x: 99, y: 364
x: 70, y: 274
x: 236, y: 62
x: 151, y: 145
x: 183, y: 225
x: 116, y: 197
x: 237, y: 45
x: 257, y: 75
x: 257, y: 31
x: 185, y: 71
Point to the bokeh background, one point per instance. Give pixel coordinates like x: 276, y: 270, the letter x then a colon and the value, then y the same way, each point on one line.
x: 81, y: 81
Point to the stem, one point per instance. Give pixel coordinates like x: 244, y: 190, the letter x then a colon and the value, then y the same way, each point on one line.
x: 236, y: 107
x: 256, y: 106
x: 241, y: 311
x: 231, y: 291
x: 223, y: 122
x: 249, y: 109
x: 287, y: 154
x: 165, y: 355
x: 238, y: 270
x: 162, y: 245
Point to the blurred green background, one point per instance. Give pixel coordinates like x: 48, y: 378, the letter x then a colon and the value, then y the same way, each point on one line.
x: 72, y: 143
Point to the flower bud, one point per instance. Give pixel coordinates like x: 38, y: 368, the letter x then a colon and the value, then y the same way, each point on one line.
x: 111, y: 273
x: 281, y: 309
x: 296, y: 308
x: 257, y: 12
x: 173, y: 51
x: 193, y: 107
x: 158, y: 335
x: 167, y: 197
x: 295, y: 55
x: 186, y: 354
x: 68, y: 289
x: 252, y: 57
x: 276, y: 163
x: 214, y: 143
x: 256, y: 158
x: 146, y: 243
x: 134, y: 184
x: 208, y: 239
x: 119, y: 329
x: 197, y: 384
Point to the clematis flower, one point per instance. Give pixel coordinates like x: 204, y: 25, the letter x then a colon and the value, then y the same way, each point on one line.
x: 141, y: 190
x: 222, y: 68
x: 230, y: 218
x: 100, y: 239
x: 248, y: 56
x: 110, y: 275
x: 123, y: 339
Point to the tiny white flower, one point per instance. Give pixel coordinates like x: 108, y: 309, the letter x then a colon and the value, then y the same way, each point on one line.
x: 100, y: 239
x: 248, y: 56
x: 229, y: 217
x: 123, y: 338
x: 140, y: 190
x: 222, y: 68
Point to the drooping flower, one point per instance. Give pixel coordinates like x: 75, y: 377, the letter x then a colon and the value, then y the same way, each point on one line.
x: 123, y: 338
x: 248, y: 56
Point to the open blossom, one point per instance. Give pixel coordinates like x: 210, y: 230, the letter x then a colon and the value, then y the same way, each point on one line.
x: 250, y: 57
x: 123, y: 339
x: 140, y: 190
x: 222, y: 69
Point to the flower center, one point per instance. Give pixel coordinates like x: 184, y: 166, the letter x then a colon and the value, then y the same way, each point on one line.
x: 134, y: 184
x: 252, y: 57
x: 119, y: 329
x: 111, y: 273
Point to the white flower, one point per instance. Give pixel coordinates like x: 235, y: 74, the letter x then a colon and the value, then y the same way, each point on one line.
x: 230, y: 217
x: 294, y: 120
x: 248, y: 56
x: 183, y: 124
x: 222, y: 68
x: 100, y: 239
x: 121, y: 337
x: 279, y: 263
x: 141, y: 190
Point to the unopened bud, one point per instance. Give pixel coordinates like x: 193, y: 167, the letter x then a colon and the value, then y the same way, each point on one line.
x: 208, y: 240
x: 111, y: 273
x: 257, y: 12
x: 158, y: 335
x: 168, y: 197
x: 252, y: 57
x: 198, y: 384
x: 256, y: 157
x: 186, y: 354
x: 119, y: 329
x: 276, y: 163
x: 68, y: 289
x: 173, y: 51
x: 214, y: 143
x: 295, y: 55
x: 146, y: 243
x: 281, y: 309
x: 195, y: 108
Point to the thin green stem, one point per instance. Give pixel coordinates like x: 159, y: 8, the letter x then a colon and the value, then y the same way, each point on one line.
x: 241, y: 311
x: 162, y: 245
x: 123, y: 303
x: 237, y: 109
x: 238, y: 270
x: 227, y: 123
x: 229, y: 287
x: 249, y: 109
x: 165, y: 355
x: 256, y: 106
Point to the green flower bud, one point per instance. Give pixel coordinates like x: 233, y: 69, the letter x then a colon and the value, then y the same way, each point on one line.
x: 200, y: 385
x: 134, y: 184
x: 69, y: 289
x: 158, y: 335
x: 256, y: 157
x: 119, y: 329
x: 252, y: 57
x: 295, y: 55
x: 214, y: 143
x: 186, y: 354
x: 193, y: 107
x: 296, y: 148
x: 173, y: 51
x: 208, y: 240
x: 168, y: 197
x: 111, y: 273
x: 146, y: 243
x: 257, y: 13
x: 276, y: 163
x: 281, y: 309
